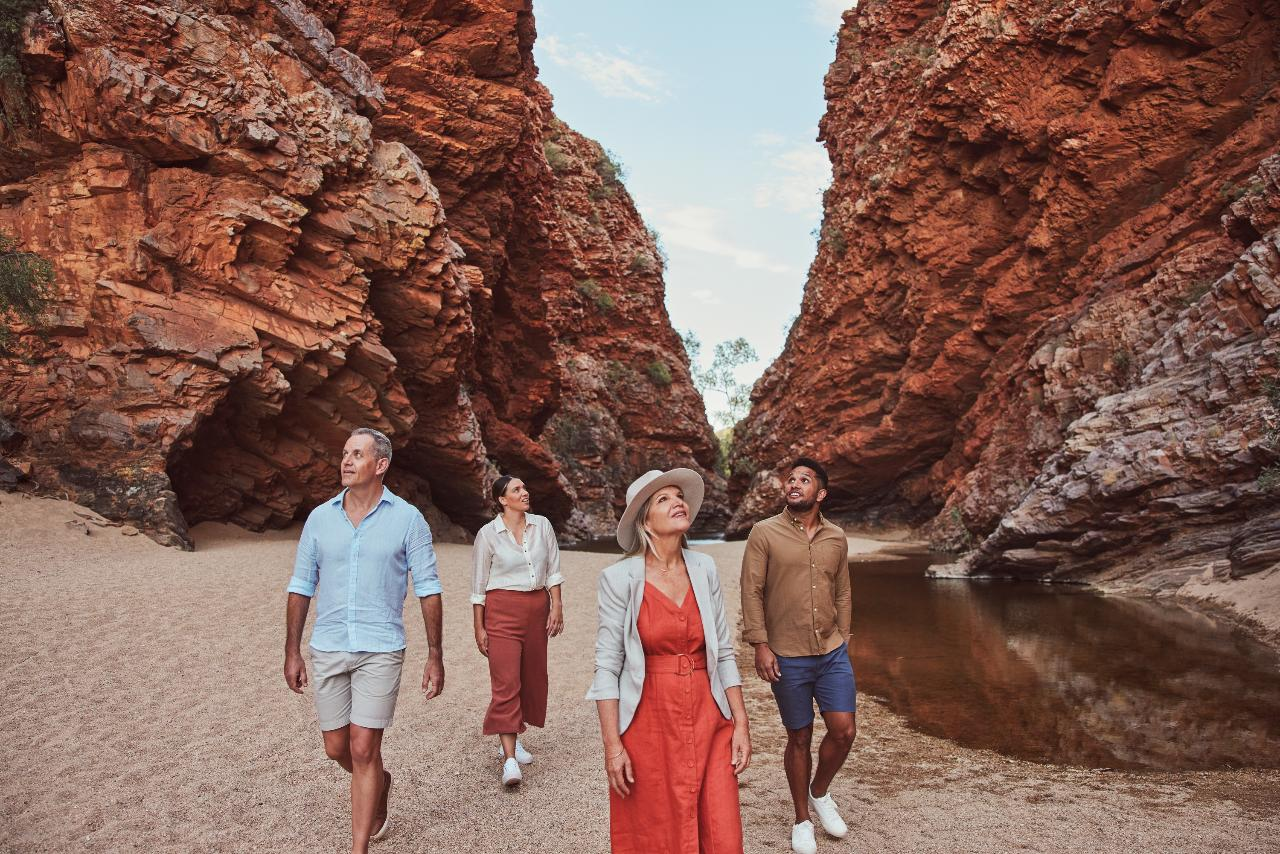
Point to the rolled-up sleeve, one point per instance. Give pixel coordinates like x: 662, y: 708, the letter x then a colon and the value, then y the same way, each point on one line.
x: 421, y: 555
x: 481, y: 563
x: 306, y: 564
x: 755, y: 563
x: 611, y: 606
x: 726, y: 657
x: 553, y: 557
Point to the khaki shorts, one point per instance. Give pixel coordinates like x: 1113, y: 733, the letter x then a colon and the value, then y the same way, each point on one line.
x: 356, y: 687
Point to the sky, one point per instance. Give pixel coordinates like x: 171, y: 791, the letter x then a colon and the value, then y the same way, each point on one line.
x: 713, y: 109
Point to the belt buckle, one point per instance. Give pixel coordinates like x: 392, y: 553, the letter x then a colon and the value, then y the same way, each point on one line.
x: 684, y: 665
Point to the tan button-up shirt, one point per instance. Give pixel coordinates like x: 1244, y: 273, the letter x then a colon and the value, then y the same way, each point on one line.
x: 795, y: 591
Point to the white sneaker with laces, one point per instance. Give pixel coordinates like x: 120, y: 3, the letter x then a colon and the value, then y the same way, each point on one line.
x: 523, y: 756
x: 511, y: 775
x: 828, y: 815
x: 802, y: 841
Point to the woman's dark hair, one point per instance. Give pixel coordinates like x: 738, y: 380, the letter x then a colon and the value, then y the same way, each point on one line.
x: 500, y: 489
x: 815, y: 465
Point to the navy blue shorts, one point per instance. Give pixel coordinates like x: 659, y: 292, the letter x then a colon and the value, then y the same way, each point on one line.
x: 805, y: 678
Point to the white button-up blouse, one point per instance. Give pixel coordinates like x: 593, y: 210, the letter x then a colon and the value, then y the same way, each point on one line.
x: 503, y: 564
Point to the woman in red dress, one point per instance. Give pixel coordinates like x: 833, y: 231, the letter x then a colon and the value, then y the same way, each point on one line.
x: 666, y: 684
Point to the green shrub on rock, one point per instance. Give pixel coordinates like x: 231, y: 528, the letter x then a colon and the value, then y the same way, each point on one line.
x: 26, y: 287
x: 659, y: 373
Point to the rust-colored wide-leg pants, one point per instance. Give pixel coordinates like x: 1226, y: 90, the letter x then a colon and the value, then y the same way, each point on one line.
x: 516, y: 623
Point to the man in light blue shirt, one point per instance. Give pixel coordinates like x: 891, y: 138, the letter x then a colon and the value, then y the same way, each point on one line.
x: 356, y: 553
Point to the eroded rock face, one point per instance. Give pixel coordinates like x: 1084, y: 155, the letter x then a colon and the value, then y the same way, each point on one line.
x: 570, y: 320
x: 1043, y: 311
x: 254, y: 237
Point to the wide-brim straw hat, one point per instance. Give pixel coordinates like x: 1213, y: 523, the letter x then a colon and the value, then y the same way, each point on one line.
x: 690, y: 483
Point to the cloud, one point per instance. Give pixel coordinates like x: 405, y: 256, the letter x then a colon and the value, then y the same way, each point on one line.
x: 694, y: 227
x: 769, y: 139
x: 705, y: 296
x: 829, y: 12
x: 612, y: 75
x: 794, y: 179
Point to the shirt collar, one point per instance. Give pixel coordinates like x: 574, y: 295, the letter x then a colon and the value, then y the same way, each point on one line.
x: 387, y: 496
x: 501, y: 527
x: 796, y: 523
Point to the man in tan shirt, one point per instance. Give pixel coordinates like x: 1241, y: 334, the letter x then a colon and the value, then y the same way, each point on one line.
x: 796, y: 609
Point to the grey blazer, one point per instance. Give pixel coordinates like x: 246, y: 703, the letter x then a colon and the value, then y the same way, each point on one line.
x: 619, y: 654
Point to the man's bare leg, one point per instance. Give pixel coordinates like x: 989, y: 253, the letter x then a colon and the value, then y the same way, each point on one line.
x: 366, y: 784
x: 380, y: 814
x: 842, y: 728
x: 337, y: 746
x: 799, y: 765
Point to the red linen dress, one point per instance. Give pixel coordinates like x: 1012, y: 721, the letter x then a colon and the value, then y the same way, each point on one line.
x: 685, y: 797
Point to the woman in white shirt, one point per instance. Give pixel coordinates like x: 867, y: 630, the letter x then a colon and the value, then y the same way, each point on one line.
x: 515, y: 598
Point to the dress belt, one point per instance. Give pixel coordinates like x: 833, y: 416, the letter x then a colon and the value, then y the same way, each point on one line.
x: 681, y: 665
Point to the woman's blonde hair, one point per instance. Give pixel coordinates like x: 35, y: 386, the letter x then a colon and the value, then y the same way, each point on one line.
x: 642, y: 541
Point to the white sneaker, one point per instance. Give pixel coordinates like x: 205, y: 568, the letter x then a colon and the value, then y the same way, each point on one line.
x: 523, y: 756
x: 802, y: 841
x: 511, y: 773
x: 828, y: 815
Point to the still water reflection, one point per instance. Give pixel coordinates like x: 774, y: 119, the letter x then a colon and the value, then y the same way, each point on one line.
x: 1054, y: 673
x: 1059, y: 674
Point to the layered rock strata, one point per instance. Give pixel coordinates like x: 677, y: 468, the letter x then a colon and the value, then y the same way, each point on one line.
x: 580, y: 381
x: 1042, y: 319
x: 269, y: 225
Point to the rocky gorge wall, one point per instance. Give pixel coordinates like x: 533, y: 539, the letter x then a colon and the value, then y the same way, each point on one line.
x: 1043, y: 322
x: 273, y: 221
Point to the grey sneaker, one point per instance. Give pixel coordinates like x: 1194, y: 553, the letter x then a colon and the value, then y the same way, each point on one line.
x: 828, y: 815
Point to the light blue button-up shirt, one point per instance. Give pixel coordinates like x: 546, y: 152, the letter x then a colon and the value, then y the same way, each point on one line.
x: 362, y: 573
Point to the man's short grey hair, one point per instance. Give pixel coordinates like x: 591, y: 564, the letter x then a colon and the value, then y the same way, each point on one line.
x: 381, y: 444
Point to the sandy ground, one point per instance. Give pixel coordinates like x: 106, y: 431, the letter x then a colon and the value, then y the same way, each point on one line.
x: 1253, y: 600
x: 145, y: 709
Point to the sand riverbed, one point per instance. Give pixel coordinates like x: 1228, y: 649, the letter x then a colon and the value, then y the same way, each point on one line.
x: 145, y: 709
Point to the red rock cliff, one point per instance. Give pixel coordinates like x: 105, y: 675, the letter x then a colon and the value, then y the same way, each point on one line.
x: 273, y: 221
x: 1043, y: 313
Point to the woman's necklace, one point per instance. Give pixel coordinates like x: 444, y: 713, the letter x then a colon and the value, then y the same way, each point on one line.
x: 663, y: 568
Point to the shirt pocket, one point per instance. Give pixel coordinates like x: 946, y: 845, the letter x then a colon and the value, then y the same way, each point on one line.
x: 834, y: 557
